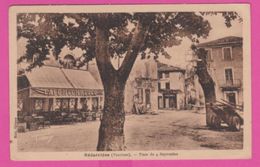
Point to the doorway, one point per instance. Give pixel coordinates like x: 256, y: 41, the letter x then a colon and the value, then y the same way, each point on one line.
x: 231, y: 97
x: 170, y: 101
x: 147, y: 97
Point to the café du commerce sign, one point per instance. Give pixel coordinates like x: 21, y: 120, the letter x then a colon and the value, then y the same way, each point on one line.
x: 64, y: 92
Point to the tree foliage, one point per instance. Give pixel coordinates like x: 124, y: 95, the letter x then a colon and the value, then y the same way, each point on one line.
x: 48, y: 33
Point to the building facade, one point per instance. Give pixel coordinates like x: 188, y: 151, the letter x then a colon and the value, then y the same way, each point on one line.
x: 225, y: 64
x: 142, y: 87
x: 171, y: 87
x: 55, y: 89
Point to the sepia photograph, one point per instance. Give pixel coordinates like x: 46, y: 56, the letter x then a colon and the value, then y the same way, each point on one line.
x: 130, y: 82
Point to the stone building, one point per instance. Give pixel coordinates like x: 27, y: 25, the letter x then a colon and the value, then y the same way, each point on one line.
x: 142, y: 86
x: 225, y: 64
x: 171, y: 87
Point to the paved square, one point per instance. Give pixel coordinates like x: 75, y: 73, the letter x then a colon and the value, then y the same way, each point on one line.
x: 169, y: 130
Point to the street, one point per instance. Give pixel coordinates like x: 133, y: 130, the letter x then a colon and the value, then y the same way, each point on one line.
x: 167, y: 130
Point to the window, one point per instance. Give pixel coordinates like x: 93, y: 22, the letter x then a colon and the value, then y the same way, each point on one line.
x: 166, y: 74
x: 83, y: 104
x: 72, y: 103
x: 50, y: 107
x: 38, y: 104
x: 229, y: 75
x: 159, y: 86
x: 95, y: 103
x: 65, y: 104
x: 167, y: 85
x: 57, y: 104
x: 227, y: 53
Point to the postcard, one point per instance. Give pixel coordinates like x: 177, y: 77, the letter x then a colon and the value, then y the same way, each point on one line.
x: 130, y: 82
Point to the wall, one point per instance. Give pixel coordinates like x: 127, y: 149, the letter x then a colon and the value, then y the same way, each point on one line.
x: 217, y: 69
x: 146, y: 69
x: 177, y: 82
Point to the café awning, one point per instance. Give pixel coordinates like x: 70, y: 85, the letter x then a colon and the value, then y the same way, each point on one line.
x: 49, y: 81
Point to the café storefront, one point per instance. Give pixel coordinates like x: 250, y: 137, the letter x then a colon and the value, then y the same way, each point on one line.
x: 52, y: 91
x: 53, y: 99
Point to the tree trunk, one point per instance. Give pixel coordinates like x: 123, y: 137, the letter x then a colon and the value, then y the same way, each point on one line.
x: 208, y: 86
x: 111, y: 131
x: 212, y: 120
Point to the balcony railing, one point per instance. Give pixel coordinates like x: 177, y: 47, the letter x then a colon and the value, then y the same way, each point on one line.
x: 231, y: 83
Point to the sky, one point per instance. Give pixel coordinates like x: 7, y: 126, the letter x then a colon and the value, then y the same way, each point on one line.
x: 219, y: 30
x: 178, y: 53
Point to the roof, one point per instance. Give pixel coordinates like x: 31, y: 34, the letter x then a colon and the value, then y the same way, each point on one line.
x: 48, y: 77
x: 81, y: 79
x: 169, y: 68
x: 229, y: 40
x: 55, y: 77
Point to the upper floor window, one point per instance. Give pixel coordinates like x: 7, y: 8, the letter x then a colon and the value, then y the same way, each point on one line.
x: 167, y: 85
x: 227, y: 53
x: 229, y: 75
x: 166, y: 74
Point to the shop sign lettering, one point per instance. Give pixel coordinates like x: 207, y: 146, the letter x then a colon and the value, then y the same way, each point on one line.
x: 36, y: 92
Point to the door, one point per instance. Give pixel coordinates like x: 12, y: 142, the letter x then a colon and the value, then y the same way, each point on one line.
x: 160, y: 102
x: 231, y: 97
x: 173, y: 101
x: 147, y: 97
x: 166, y: 102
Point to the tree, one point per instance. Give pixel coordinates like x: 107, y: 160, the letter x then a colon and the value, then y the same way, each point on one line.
x: 103, y: 36
x: 208, y: 87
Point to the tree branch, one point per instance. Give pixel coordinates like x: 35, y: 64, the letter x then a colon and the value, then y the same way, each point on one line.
x: 133, y: 50
x: 104, y: 64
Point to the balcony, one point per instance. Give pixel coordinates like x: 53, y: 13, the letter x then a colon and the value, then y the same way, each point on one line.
x: 231, y: 84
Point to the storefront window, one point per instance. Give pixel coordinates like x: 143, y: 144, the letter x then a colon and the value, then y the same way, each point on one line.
x: 50, y: 107
x: 57, y: 104
x: 38, y: 104
x: 65, y: 104
x: 72, y: 103
x: 94, y: 103
x: 83, y: 103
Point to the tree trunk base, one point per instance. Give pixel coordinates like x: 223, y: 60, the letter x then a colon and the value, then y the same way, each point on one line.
x: 212, y: 119
x: 112, y: 143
